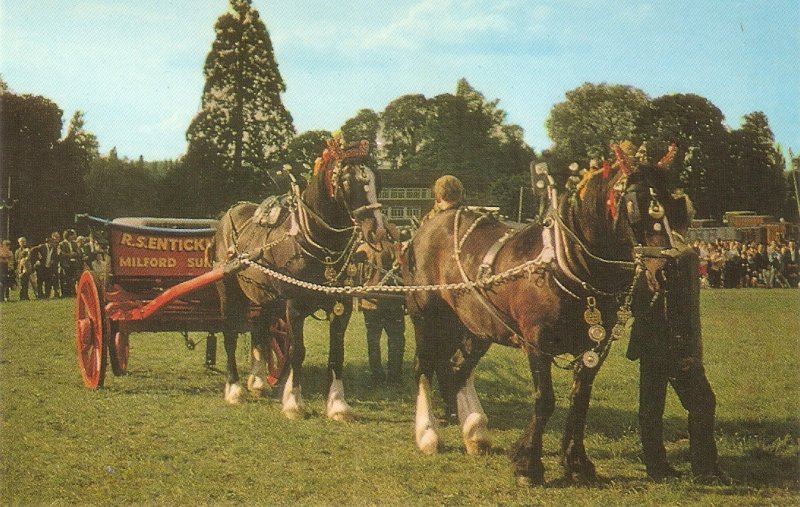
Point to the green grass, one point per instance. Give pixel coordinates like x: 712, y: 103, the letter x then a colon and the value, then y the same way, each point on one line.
x: 163, y: 435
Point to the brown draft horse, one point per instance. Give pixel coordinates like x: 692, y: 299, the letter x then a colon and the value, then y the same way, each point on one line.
x: 564, y: 287
x: 310, y: 238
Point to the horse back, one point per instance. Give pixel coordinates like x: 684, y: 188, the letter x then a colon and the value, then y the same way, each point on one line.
x: 240, y: 233
x: 439, y: 254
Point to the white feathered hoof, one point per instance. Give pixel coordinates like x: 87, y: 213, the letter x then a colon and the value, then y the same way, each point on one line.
x: 424, y: 424
x: 257, y: 387
x: 340, y: 411
x: 476, y: 434
x: 428, y: 441
x: 233, y: 393
x: 337, y: 408
x: 292, y: 407
x: 293, y: 411
x: 292, y: 400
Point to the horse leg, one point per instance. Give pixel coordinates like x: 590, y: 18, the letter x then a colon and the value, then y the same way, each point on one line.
x: 259, y: 345
x: 233, y: 391
x: 471, y: 417
x: 526, y: 454
x: 336, y: 406
x: 232, y: 306
x: 574, y: 459
x: 424, y: 367
x: 292, y: 399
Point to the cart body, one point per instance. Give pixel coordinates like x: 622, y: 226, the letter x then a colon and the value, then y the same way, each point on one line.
x: 152, y: 274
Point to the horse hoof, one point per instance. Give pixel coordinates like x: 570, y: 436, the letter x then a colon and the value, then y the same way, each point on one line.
x: 341, y: 417
x: 476, y: 434
x: 293, y: 414
x: 475, y: 448
x: 293, y: 409
x: 524, y: 481
x: 257, y: 387
x: 339, y: 410
x: 428, y: 442
x: 233, y: 394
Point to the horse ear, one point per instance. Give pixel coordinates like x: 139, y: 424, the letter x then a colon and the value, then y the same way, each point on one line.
x: 623, y: 162
x: 668, y: 157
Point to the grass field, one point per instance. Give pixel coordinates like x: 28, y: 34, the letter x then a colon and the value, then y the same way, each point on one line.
x: 163, y: 435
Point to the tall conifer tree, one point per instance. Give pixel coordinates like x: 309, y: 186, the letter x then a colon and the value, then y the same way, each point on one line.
x: 242, y: 128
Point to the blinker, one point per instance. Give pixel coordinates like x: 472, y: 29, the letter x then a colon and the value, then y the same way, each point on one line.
x: 656, y: 211
x: 631, y: 198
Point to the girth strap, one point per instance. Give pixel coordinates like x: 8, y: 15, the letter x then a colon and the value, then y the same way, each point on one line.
x: 487, y: 264
x: 490, y: 256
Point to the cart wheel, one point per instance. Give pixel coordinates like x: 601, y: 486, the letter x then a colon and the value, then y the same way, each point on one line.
x: 278, y: 353
x: 118, y: 350
x: 90, y: 342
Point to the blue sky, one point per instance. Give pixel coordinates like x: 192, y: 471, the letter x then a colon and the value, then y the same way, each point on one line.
x: 135, y: 66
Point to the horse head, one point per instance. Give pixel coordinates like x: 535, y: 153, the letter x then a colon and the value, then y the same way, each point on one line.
x: 657, y: 217
x: 351, y: 184
x: 627, y: 209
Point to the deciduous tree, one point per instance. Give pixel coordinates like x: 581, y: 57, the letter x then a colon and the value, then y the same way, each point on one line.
x: 402, y: 129
x: 364, y: 125
x: 757, y: 167
x: 592, y: 116
x: 31, y: 128
x: 121, y: 187
x: 74, y: 156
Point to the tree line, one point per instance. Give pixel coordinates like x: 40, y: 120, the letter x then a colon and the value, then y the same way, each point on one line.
x: 243, y: 135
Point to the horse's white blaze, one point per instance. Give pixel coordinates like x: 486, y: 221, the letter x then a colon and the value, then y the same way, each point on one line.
x: 472, y: 418
x: 292, y: 400
x: 425, y: 427
x: 233, y: 393
x: 336, y: 406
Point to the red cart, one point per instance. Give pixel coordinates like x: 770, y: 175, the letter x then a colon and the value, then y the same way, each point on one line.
x: 151, y: 274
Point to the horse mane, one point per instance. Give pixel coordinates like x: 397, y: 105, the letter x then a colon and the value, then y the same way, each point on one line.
x: 591, y: 212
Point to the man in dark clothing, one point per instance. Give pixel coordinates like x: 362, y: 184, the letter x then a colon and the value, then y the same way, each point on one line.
x: 69, y: 261
x: 382, y: 313
x: 666, y: 339
x: 45, y: 257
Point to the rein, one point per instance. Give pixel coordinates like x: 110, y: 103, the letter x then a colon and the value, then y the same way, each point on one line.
x: 562, y: 236
x: 563, y: 251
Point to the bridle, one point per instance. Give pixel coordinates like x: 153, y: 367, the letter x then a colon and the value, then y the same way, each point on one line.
x: 342, y: 185
x: 341, y: 176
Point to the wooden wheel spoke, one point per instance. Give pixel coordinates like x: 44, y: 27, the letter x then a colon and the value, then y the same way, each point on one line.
x: 90, y: 343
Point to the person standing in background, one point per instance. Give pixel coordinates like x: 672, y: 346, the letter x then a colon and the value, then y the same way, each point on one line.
x: 22, y: 259
x: 382, y: 313
x: 6, y: 269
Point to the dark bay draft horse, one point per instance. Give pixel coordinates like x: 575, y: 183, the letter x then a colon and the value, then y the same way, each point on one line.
x: 309, y: 236
x: 564, y: 287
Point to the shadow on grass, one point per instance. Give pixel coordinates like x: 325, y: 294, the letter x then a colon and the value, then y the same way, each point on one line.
x: 766, y: 452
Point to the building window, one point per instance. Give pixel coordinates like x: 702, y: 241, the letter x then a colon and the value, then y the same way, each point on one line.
x: 403, y: 212
x: 405, y: 193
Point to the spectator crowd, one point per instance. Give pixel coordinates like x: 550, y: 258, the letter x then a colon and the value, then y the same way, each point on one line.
x: 51, y: 268
x: 46, y: 270
x: 736, y: 264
